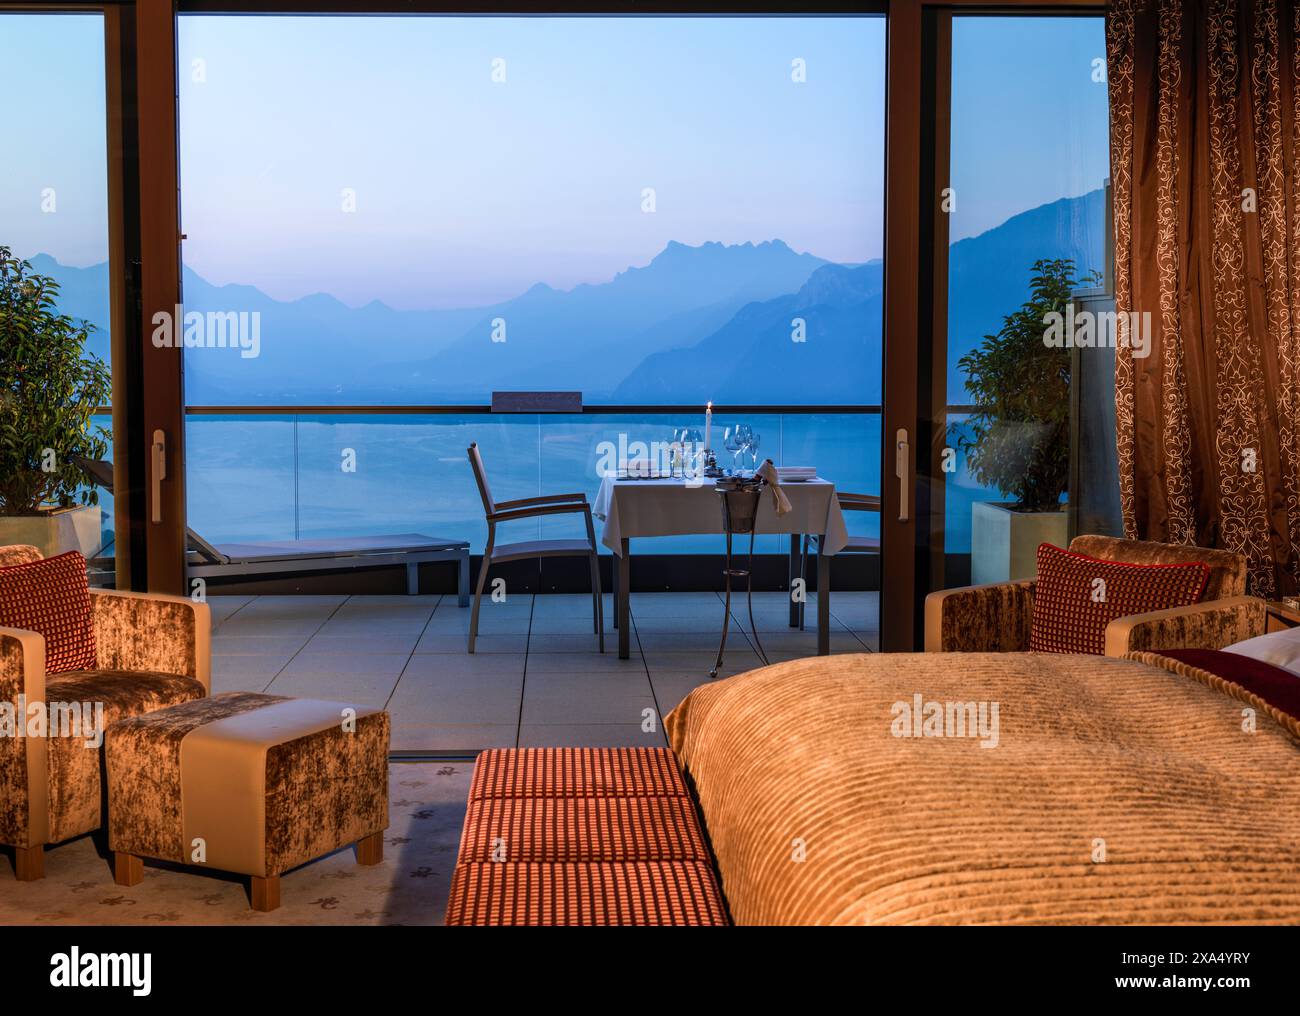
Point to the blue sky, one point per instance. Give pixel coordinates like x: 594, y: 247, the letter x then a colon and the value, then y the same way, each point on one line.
x: 53, y: 137
x: 469, y: 191
x: 1029, y: 123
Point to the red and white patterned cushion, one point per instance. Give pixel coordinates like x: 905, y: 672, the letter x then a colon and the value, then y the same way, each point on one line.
x: 604, y: 894
x: 582, y: 836
x: 562, y: 829
x: 52, y: 597
x: 1077, y: 596
x: 576, y: 772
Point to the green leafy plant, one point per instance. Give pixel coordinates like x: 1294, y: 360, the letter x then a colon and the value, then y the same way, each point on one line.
x: 1018, y: 441
x: 50, y: 389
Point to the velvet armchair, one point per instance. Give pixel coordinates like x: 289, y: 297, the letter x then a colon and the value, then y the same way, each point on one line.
x: 998, y: 618
x: 152, y: 651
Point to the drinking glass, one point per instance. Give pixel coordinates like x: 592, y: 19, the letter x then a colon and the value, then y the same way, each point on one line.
x: 733, y: 441
x: 746, y: 435
x: 692, y: 451
x: 755, y: 442
x: 677, y: 451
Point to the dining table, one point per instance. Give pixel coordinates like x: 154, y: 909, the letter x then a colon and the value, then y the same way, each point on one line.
x: 681, y: 506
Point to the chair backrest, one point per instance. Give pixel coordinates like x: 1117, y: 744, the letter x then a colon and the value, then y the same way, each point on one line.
x: 480, y: 477
x: 99, y: 470
x: 1227, y: 569
x: 18, y: 553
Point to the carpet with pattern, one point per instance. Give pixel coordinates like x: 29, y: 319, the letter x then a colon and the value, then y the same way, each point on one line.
x: 426, y: 811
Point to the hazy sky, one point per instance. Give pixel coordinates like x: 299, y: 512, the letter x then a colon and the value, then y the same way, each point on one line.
x: 53, y: 137
x: 1029, y: 123
x: 468, y: 190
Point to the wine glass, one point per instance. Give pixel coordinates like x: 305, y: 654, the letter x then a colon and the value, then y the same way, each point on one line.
x: 755, y: 442
x: 733, y: 441
x: 676, y: 451
x: 692, y: 439
x: 746, y: 435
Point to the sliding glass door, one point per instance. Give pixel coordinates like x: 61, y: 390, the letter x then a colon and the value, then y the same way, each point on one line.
x: 1023, y: 437
x: 55, y: 381
x: 657, y: 213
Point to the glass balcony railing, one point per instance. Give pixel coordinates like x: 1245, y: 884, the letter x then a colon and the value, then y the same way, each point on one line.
x: 279, y: 476
x: 283, y: 476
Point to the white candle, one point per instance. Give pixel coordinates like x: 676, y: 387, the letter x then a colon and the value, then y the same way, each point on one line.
x: 708, y: 426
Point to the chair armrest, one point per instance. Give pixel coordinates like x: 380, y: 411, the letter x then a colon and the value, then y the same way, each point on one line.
x: 24, y: 770
x: 532, y: 513
x: 1211, y: 625
x: 858, y: 502
x: 152, y: 632
x: 994, y: 618
x: 524, y: 502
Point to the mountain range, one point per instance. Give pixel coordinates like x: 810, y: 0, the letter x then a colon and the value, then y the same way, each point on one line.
x: 712, y: 321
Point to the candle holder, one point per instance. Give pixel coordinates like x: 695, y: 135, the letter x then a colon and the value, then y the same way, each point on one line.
x: 711, y: 464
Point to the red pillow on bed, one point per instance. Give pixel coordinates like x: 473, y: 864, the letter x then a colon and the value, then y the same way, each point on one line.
x: 1077, y: 596
x: 52, y: 597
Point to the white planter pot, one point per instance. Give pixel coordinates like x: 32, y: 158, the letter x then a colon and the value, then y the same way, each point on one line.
x: 57, y: 531
x: 1004, y: 542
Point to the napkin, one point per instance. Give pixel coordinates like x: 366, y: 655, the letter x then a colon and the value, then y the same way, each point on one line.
x: 780, y: 503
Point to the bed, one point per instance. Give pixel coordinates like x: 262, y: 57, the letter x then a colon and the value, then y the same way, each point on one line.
x: 1099, y: 790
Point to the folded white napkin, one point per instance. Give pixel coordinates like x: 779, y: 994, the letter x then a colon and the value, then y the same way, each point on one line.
x: 780, y: 503
x: 788, y: 474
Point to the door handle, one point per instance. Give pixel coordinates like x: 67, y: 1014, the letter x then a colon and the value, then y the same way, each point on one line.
x: 902, y: 469
x: 159, y: 454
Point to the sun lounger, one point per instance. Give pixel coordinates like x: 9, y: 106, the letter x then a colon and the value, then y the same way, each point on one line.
x: 288, y: 557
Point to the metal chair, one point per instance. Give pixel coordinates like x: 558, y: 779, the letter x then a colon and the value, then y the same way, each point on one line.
x: 856, y: 545
x: 528, y: 508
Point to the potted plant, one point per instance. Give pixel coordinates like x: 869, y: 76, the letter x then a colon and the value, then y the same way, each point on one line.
x: 1018, y: 441
x: 50, y: 389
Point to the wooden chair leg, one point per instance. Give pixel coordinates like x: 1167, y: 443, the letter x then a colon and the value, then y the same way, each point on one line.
x: 371, y: 849
x: 29, y: 863
x: 266, y: 893
x: 127, y: 868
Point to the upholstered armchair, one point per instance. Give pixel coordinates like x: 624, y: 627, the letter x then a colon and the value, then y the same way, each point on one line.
x: 152, y: 651
x: 998, y: 618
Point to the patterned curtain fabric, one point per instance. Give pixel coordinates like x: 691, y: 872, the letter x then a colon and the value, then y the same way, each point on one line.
x: 1205, y: 167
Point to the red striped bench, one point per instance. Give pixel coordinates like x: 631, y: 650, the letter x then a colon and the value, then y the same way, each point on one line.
x: 582, y: 836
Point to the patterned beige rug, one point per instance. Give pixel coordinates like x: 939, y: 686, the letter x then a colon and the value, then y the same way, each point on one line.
x: 426, y: 809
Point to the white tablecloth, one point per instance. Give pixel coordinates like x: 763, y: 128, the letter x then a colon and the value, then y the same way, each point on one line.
x: 632, y: 508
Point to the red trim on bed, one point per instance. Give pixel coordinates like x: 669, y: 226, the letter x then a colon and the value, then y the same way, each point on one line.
x: 1279, y: 688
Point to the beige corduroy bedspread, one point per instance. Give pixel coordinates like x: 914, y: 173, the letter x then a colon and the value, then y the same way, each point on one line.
x: 1117, y: 792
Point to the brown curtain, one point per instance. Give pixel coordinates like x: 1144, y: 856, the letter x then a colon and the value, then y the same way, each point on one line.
x: 1205, y: 146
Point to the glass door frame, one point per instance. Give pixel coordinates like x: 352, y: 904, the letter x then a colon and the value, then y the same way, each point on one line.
x: 917, y: 114
x: 918, y: 118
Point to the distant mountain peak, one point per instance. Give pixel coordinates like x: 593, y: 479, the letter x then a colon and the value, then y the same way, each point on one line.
x: 675, y: 249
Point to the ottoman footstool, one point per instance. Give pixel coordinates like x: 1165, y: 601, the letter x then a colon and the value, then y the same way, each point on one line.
x: 582, y: 837
x: 247, y: 783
